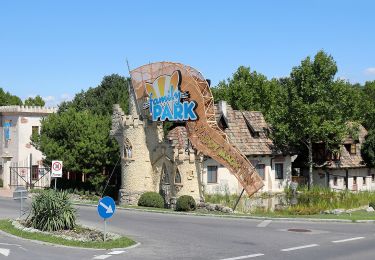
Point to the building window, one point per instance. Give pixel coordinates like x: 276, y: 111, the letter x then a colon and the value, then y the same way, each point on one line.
x: 364, y: 180
x: 353, y: 149
x: 260, y: 169
x: 211, y: 174
x: 279, y: 171
x: 35, y: 172
x: 35, y: 130
x: 177, y: 177
x: 355, y: 180
x: 335, y: 181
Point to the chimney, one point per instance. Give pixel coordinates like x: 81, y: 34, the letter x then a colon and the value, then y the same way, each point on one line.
x: 223, y: 108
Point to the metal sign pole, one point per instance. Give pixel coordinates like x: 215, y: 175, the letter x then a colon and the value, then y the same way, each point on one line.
x: 105, y: 229
x: 55, y: 183
x: 21, y: 206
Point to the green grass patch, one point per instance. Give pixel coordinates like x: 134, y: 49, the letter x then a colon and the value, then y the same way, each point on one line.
x: 122, y: 242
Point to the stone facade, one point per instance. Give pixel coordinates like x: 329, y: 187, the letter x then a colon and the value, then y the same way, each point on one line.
x: 151, y: 163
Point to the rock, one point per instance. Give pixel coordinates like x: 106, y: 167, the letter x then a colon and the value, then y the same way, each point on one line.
x: 211, y: 207
x: 227, y: 210
x: 327, y: 212
x: 337, y: 211
x: 219, y: 207
x: 370, y: 209
x: 201, y: 204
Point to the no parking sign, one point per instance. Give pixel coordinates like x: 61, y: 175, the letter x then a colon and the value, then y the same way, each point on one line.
x: 56, y: 169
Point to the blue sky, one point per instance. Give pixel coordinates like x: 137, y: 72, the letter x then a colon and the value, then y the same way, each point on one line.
x: 57, y: 48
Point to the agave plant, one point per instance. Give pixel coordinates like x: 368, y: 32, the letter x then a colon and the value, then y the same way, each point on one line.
x: 52, y: 211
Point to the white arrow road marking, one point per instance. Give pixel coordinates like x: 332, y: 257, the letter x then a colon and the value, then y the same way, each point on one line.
x: 264, y: 223
x: 243, y: 257
x: 298, y: 247
x: 4, y: 251
x: 347, y: 240
x: 116, y: 252
x: 102, y: 256
x: 107, y: 208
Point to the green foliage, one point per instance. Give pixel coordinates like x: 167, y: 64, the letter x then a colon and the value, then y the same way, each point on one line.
x: 151, y: 199
x: 100, y: 100
x: 1, y: 183
x: 7, y: 99
x: 368, y: 149
x: 52, y: 211
x: 80, y: 139
x: 185, y: 203
x: 36, y: 101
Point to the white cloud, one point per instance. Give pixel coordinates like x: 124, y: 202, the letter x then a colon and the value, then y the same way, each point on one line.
x: 49, y: 98
x: 370, y: 71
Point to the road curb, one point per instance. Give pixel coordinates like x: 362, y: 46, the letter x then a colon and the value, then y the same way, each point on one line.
x: 238, y: 217
x: 71, y: 247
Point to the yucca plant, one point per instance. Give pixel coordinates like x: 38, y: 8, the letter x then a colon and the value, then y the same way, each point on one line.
x: 52, y: 211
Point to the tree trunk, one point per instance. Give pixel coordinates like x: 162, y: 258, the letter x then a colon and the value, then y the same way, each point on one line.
x: 310, y: 162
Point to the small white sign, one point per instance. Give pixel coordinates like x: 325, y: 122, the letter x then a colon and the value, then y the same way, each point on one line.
x: 56, y: 169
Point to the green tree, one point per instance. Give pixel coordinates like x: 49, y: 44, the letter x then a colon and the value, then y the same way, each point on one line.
x: 313, y: 112
x: 368, y: 105
x: 36, y: 101
x: 7, y: 99
x: 368, y: 149
x: 80, y: 139
x: 79, y: 132
x: 248, y: 90
x: 99, y: 100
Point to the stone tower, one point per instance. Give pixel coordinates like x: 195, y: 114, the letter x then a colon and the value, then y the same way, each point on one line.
x: 135, y: 136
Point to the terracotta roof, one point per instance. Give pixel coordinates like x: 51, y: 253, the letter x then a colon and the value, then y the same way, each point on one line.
x: 348, y: 160
x: 247, y: 130
x: 178, y: 137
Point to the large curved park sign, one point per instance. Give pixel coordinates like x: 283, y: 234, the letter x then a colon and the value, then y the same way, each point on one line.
x: 176, y: 92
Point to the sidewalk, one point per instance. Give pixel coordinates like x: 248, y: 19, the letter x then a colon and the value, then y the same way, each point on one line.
x: 7, y: 193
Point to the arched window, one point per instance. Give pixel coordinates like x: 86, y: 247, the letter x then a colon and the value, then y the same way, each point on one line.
x: 177, y: 177
x: 128, y: 149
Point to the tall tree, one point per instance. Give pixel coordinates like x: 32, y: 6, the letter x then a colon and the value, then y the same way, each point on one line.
x: 99, y: 100
x: 35, y: 101
x: 311, y: 115
x: 79, y: 132
x: 7, y: 99
x: 80, y: 139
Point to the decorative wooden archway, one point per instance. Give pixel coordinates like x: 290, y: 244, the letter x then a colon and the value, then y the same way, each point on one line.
x: 204, y: 133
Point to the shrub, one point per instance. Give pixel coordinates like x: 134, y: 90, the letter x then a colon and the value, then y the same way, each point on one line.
x: 151, y: 199
x: 372, y: 204
x: 1, y: 183
x: 185, y: 203
x: 51, y: 211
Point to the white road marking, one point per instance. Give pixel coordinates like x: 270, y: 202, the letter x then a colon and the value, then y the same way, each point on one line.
x: 264, y: 223
x: 102, y: 257
x: 4, y: 251
x: 347, y: 240
x: 298, y: 247
x: 243, y: 257
x: 116, y: 252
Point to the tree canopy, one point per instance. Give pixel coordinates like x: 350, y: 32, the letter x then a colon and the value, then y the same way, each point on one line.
x: 7, y: 99
x: 79, y: 133
x: 35, y: 101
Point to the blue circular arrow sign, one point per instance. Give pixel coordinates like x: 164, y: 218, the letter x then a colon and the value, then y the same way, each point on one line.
x: 106, y: 207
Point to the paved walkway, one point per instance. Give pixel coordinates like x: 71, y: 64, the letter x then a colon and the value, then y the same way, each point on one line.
x: 6, y: 193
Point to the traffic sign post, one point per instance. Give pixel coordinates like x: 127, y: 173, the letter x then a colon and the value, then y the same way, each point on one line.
x: 56, y: 170
x: 20, y: 193
x: 106, y: 209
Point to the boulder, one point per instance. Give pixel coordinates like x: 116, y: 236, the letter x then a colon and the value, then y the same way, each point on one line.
x: 370, y: 209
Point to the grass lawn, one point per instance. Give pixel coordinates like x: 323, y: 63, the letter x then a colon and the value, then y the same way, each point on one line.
x: 354, y: 216
x: 122, y: 242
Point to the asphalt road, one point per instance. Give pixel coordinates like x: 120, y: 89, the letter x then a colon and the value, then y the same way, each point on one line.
x: 164, y: 236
